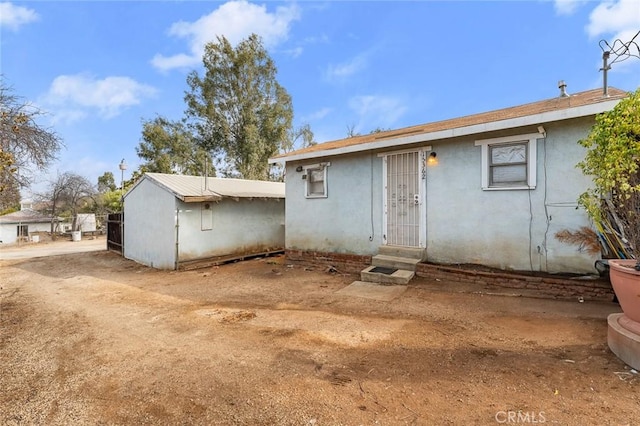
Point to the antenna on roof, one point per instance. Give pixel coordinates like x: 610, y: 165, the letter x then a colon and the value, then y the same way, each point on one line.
x: 621, y: 51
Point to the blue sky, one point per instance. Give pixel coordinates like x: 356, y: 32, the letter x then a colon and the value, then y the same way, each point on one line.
x: 99, y: 68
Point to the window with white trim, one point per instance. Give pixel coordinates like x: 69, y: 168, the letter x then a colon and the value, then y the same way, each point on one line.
x: 315, y: 177
x: 509, y: 162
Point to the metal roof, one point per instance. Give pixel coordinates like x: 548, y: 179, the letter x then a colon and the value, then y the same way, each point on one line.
x: 25, y: 216
x: 581, y: 104
x: 194, y: 188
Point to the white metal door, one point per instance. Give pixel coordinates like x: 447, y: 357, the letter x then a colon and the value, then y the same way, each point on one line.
x: 403, y: 199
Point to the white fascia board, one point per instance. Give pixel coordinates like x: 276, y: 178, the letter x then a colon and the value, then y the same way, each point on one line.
x: 528, y: 120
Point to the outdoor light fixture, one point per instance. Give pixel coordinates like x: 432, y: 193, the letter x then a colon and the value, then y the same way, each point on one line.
x: 122, y: 166
x: 299, y: 169
x: 433, y: 158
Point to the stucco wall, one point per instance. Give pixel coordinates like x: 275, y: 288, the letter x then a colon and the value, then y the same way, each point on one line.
x: 239, y: 227
x: 9, y: 231
x: 149, y: 231
x: 510, y: 229
x: 349, y: 220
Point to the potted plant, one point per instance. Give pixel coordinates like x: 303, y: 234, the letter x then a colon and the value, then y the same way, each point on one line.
x: 613, y: 161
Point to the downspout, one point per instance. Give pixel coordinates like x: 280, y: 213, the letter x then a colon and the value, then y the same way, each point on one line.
x: 177, y: 254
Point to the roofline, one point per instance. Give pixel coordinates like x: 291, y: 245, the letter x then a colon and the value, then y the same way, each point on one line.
x: 212, y: 196
x: 527, y: 120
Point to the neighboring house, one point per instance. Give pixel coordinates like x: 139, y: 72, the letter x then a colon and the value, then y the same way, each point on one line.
x: 489, y: 189
x: 21, y: 225
x: 173, y: 219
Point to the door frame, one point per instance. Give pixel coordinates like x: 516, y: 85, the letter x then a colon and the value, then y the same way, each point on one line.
x: 422, y: 187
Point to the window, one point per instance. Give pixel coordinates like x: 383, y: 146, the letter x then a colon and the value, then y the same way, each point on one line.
x: 509, y: 162
x: 23, y: 230
x: 316, y: 180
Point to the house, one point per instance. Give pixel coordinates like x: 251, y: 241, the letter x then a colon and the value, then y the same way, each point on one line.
x: 21, y: 225
x: 170, y: 220
x: 488, y: 189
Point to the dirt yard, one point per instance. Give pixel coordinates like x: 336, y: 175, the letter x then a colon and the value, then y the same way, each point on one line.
x: 92, y: 338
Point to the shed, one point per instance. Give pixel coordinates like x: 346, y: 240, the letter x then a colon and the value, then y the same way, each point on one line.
x: 21, y: 225
x: 171, y: 220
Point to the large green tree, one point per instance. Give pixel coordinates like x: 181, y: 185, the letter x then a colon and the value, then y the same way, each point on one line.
x: 237, y: 108
x: 169, y: 147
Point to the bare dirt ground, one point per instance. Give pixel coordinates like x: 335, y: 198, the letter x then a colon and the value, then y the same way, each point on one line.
x: 93, y: 338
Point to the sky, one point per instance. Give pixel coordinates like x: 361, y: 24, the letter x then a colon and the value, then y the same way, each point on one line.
x: 99, y: 68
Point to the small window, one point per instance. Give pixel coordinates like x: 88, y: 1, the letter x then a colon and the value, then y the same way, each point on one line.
x: 509, y: 162
x: 316, y: 180
x: 23, y: 230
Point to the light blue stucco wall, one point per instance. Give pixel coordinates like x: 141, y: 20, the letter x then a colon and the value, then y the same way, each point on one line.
x: 510, y: 229
x: 149, y: 231
x: 349, y: 220
x: 244, y: 226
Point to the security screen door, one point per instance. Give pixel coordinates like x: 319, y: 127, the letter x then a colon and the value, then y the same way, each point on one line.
x: 403, y: 199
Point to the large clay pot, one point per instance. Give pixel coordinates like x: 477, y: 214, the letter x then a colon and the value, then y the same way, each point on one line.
x: 625, y: 281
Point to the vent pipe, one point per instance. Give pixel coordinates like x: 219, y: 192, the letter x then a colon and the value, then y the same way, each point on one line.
x: 563, y: 89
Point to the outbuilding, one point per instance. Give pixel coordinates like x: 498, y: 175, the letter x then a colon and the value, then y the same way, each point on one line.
x: 22, y: 225
x: 174, y: 220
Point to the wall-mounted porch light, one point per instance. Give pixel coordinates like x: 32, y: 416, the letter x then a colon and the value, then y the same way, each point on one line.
x: 433, y: 159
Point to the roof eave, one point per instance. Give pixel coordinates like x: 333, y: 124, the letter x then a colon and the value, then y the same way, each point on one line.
x: 528, y: 120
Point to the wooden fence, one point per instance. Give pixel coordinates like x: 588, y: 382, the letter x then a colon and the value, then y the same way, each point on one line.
x: 115, y: 232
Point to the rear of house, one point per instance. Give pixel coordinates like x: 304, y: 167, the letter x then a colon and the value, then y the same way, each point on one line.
x: 170, y: 220
x: 489, y: 189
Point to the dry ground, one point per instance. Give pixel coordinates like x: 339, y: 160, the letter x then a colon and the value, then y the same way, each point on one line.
x: 95, y: 339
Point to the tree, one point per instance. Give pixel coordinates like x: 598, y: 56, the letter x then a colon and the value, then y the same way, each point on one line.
x: 613, y: 150
x: 106, y: 182
x: 169, y: 147
x: 238, y: 109
x: 24, y: 144
x: 298, y: 138
x: 67, y: 194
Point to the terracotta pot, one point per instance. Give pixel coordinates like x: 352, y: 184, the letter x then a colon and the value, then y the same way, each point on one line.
x: 625, y: 281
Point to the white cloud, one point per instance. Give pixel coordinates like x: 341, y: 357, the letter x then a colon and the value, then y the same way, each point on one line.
x: 295, y: 52
x: 567, y: 7
x: 620, y: 17
x: 71, y: 97
x: 617, y: 22
x: 347, y: 69
x: 317, y: 115
x: 235, y: 20
x: 376, y: 111
x: 13, y: 17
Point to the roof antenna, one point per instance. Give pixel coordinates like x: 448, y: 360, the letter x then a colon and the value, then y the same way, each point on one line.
x: 621, y: 51
x: 604, y: 69
x: 563, y: 89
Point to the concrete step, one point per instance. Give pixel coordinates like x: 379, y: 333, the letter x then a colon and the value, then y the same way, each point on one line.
x: 399, y: 277
x: 408, y: 252
x: 394, y: 262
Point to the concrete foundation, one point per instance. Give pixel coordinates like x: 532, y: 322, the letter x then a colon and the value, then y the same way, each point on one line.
x: 622, y: 341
